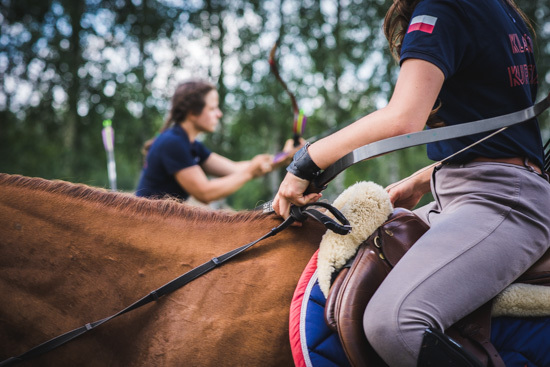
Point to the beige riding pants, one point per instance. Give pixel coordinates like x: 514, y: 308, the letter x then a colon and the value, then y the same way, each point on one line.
x: 489, y: 222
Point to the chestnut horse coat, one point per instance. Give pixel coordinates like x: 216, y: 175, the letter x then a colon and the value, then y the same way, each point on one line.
x: 71, y: 254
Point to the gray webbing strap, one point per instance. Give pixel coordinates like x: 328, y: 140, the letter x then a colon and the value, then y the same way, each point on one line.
x: 429, y: 136
x: 422, y: 137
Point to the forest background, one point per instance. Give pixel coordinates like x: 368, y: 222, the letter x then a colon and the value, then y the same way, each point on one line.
x: 66, y: 66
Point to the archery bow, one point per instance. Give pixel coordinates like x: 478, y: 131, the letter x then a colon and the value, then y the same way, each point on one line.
x: 299, y: 122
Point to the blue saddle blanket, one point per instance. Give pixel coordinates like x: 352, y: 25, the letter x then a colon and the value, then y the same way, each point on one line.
x: 521, y: 342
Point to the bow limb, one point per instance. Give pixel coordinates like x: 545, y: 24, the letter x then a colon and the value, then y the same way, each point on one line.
x: 296, y: 110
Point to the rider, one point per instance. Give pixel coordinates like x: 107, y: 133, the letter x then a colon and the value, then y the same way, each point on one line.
x: 461, y: 61
x: 177, y: 163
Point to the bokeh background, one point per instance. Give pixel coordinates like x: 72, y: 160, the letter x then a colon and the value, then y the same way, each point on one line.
x: 65, y: 66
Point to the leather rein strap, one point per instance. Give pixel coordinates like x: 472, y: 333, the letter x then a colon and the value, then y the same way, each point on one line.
x: 340, y: 225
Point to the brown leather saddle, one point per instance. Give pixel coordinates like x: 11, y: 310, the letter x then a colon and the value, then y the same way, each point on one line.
x: 355, y: 284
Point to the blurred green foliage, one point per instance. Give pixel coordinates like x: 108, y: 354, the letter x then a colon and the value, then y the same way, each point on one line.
x: 65, y: 66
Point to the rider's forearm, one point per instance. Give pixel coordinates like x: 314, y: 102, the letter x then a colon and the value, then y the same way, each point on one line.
x: 218, y: 188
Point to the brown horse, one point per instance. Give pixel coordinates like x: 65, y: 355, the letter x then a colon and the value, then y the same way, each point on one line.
x: 71, y: 254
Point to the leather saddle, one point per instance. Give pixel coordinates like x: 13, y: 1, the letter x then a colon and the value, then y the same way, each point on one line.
x: 355, y: 284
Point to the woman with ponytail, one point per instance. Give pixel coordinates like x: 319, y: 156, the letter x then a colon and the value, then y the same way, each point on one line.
x: 460, y: 61
x: 177, y: 164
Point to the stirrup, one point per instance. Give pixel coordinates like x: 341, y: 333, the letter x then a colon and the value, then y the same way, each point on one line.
x: 439, y: 350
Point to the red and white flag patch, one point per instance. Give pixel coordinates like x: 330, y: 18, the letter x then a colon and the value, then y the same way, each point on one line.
x: 422, y: 23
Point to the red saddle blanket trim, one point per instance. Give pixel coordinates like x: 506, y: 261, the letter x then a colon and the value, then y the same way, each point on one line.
x: 295, y: 312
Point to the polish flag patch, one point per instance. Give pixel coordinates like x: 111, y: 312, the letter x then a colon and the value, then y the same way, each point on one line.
x: 422, y: 23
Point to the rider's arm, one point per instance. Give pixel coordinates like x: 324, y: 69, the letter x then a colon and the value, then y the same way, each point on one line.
x: 194, y: 180
x: 413, y: 99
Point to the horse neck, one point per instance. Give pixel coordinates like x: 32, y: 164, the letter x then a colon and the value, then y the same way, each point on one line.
x: 136, y: 223
x: 68, y: 257
x: 49, y: 234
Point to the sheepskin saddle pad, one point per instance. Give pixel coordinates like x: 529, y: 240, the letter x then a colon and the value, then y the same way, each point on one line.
x: 520, y: 327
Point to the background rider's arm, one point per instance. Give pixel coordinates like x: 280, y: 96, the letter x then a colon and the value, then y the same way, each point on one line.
x: 220, y: 166
x: 194, y: 180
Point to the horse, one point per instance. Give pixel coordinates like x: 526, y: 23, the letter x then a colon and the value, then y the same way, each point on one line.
x: 71, y: 254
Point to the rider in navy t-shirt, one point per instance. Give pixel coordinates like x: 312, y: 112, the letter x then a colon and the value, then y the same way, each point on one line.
x: 177, y: 164
x: 480, y: 63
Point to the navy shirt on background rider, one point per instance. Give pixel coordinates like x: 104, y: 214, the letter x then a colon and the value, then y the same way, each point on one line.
x: 171, y: 152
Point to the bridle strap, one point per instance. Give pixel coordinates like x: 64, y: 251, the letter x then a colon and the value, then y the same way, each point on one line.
x: 297, y: 214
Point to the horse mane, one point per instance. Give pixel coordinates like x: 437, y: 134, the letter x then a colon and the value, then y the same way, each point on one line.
x: 127, y: 202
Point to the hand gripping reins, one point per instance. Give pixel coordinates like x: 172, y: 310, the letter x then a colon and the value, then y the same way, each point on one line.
x: 338, y: 225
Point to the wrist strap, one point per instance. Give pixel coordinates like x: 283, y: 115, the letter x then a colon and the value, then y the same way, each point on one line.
x: 302, y: 166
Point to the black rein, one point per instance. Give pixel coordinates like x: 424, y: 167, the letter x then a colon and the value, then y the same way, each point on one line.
x: 300, y: 214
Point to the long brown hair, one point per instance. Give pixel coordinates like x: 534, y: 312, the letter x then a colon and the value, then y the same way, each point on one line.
x: 396, y: 23
x: 187, y: 99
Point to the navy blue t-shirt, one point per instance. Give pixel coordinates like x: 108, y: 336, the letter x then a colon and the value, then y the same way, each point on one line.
x: 171, y: 152
x: 485, y: 51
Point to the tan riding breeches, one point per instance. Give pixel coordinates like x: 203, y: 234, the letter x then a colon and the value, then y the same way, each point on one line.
x: 489, y: 222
